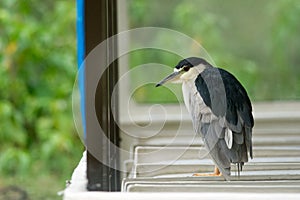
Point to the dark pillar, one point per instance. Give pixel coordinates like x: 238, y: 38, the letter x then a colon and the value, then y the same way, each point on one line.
x: 100, y: 24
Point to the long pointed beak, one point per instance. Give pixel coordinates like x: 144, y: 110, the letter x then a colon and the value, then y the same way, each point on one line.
x: 170, y: 78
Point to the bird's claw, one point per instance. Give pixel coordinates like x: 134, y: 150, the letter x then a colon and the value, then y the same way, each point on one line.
x: 203, y: 174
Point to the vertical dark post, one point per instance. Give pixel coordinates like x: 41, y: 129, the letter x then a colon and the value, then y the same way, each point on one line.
x: 100, y: 24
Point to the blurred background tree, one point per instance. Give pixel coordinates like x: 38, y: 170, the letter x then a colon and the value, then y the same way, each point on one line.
x: 39, y: 146
x: 258, y: 41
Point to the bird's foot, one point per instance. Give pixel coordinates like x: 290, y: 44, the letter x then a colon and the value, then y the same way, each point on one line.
x: 207, y: 174
x: 216, y: 173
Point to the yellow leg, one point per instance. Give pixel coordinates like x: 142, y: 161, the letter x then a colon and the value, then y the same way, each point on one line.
x: 216, y: 173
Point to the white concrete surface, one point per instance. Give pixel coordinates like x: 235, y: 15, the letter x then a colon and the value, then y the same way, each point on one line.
x: 275, y: 167
x: 77, y: 190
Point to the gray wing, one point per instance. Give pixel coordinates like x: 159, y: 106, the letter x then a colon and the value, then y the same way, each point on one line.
x: 226, y: 123
x: 211, y: 129
x: 212, y: 132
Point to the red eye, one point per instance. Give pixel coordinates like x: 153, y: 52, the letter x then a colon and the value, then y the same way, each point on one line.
x: 186, y: 68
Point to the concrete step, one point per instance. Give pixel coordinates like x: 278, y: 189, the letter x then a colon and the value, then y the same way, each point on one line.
x: 154, y: 154
x: 208, y: 188
x: 189, y: 168
x: 157, y: 161
x: 258, y: 140
x: 198, y: 185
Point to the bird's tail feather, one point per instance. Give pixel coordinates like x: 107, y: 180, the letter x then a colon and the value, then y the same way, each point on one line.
x: 220, y: 153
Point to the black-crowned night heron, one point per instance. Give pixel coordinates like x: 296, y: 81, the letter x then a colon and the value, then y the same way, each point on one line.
x: 221, y: 112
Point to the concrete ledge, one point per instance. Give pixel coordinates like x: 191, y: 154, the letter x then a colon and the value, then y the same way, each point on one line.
x: 272, y: 174
x: 77, y: 190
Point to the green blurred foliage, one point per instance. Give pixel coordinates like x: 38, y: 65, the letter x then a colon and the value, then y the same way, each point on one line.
x: 149, y: 93
x: 284, y: 48
x: 257, y: 41
x: 37, y: 71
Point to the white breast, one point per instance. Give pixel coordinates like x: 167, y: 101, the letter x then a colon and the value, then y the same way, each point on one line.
x: 197, y: 109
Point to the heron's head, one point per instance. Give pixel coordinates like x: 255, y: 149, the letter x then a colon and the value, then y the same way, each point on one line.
x: 186, y: 69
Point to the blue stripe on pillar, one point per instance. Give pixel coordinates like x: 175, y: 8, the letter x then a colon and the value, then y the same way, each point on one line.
x: 81, y: 56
